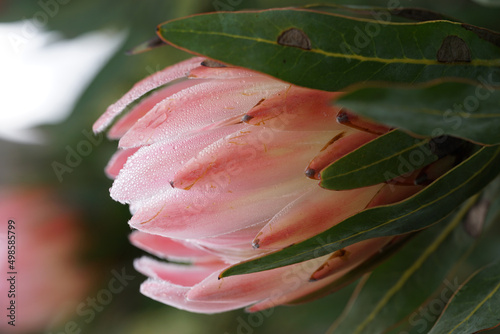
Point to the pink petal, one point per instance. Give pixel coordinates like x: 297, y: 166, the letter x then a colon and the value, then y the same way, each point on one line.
x: 221, y: 73
x: 236, y: 120
x: 315, y: 289
x: 173, y: 250
x: 297, y: 109
x: 391, y: 193
x: 311, y: 214
x: 149, y: 172
x: 407, y: 179
x: 436, y: 169
x: 142, y: 87
x: 198, y: 106
x: 143, y: 107
x: 175, y: 295
x: 253, y: 287
x: 179, y: 274
x: 320, y: 287
x: 350, y: 257
x: 239, y: 238
x: 250, y: 158
x: 117, y: 162
x: 336, y: 149
x: 195, y: 215
x: 233, y: 247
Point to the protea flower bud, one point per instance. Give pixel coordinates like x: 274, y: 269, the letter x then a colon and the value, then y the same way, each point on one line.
x: 220, y: 164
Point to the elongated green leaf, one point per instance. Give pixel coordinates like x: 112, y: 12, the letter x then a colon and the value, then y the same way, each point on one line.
x: 378, y: 161
x: 382, y: 13
x: 330, y: 52
x: 393, y: 290
x: 425, y: 208
x: 455, y: 108
x: 475, y: 307
x: 483, y: 251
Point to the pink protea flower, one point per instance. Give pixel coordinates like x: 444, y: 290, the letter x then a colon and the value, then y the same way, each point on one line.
x: 49, y: 279
x: 219, y: 166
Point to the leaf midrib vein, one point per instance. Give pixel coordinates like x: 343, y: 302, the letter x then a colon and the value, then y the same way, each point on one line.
x: 423, y: 61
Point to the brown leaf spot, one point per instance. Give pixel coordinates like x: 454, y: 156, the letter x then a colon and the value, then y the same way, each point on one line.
x: 453, y: 49
x: 296, y: 38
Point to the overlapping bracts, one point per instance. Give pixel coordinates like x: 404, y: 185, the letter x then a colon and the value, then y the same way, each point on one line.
x: 219, y: 165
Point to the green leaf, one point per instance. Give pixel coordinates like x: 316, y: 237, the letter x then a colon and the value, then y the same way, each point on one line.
x: 382, y: 13
x: 425, y: 208
x: 475, y: 307
x: 394, y: 290
x: 330, y: 52
x: 458, y: 109
x: 482, y: 252
x: 378, y: 161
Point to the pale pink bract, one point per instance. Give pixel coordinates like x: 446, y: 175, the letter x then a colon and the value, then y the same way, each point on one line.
x: 213, y: 167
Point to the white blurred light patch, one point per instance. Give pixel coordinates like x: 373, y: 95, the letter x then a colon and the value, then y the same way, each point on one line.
x: 41, y: 77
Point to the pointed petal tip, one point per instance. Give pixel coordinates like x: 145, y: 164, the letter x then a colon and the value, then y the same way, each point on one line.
x: 247, y: 118
x: 98, y: 127
x: 342, y: 117
x: 312, y: 174
x: 212, y: 63
x: 328, y: 268
x: 256, y: 241
x: 95, y: 129
x: 144, y: 86
x: 260, y: 306
x: 179, y: 184
x: 354, y: 121
x: 257, y: 308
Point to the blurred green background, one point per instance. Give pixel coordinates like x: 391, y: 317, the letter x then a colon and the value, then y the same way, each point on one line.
x: 86, y: 187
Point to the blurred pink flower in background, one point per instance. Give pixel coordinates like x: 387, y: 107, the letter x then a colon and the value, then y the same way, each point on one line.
x: 219, y: 167
x: 50, y: 279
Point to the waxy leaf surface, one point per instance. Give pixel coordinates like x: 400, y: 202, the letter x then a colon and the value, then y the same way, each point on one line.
x: 331, y: 52
x: 458, y: 109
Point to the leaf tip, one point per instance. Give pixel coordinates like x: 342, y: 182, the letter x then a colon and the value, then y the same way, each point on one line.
x: 153, y: 43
